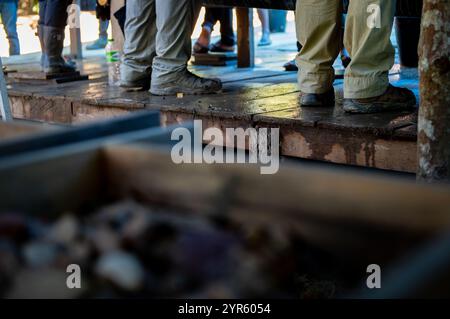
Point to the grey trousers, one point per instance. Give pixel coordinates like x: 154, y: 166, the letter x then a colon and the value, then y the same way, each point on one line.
x: 158, y: 38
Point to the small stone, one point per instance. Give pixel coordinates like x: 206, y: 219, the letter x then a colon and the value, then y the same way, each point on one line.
x: 215, y: 290
x: 37, y: 228
x: 65, y: 230
x: 80, y: 252
x: 8, y: 258
x: 315, y: 289
x: 13, y: 226
x: 122, y: 269
x: 42, y: 284
x: 136, y: 226
x: 203, y: 253
x: 116, y: 215
x: 38, y: 254
x: 180, y: 95
x: 104, y: 239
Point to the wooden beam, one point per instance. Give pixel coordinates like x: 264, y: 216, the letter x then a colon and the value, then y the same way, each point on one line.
x: 434, y: 114
x: 19, y: 129
x: 5, y: 110
x: 76, y: 49
x: 245, y: 38
x: 264, y: 4
x: 117, y: 34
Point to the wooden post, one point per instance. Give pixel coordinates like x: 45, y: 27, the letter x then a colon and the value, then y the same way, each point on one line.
x: 245, y: 38
x: 434, y: 113
x: 76, y: 49
x: 117, y: 34
x: 5, y: 110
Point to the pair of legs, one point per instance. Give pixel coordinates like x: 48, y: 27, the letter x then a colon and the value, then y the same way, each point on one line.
x: 52, y: 22
x: 227, y: 39
x: 292, y: 65
x: 102, y: 40
x: 367, y: 39
x: 8, y: 13
x: 345, y: 58
x: 263, y: 15
x: 158, y: 47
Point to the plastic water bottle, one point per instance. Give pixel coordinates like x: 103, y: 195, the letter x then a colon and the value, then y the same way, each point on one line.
x: 113, y: 61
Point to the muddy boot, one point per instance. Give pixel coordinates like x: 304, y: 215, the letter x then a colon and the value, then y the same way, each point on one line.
x: 53, y: 47
x: 136, y: 85
x: 394, y: 98
x: 313, y: 99
x: 183, y: 82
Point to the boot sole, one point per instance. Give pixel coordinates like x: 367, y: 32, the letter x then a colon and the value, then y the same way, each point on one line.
x: 172, y: 91
x: 326, y: 104
x: 56, y: 71
x: 355, y: 108
x: 135, y: 86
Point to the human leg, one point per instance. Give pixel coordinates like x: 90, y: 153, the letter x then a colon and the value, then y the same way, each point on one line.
x: 175, y: 20
x: 139, y: 46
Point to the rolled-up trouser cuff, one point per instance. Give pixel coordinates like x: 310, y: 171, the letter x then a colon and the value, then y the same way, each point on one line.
x: 132, y: 72
x: 316, y: 83
x: 139, y: 46
x: 363, y: 87
x: 166, y: 71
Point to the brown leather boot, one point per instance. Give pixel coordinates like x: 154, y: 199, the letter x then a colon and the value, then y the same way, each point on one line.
x: 394, y: 98
x: 313, y: 99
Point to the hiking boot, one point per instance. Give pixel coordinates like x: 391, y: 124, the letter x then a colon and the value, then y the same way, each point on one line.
x: 185, y: 82
x: 98, y: 44
x: 137, y: 85
x: 53, y: 61
x: 394, y: 98
x: 314, y: 99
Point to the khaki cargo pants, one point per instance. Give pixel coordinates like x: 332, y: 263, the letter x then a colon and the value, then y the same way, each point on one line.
x: 158, y: 38
x: 319, y: 30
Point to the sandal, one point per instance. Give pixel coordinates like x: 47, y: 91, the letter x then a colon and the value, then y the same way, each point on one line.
x: 345, y: 60
x: 219, y: 47
x: 265, y: 40
x: 200, y: 49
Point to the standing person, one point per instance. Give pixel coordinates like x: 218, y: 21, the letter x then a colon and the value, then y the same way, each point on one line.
x: 263, y: 15
x: 227, y: 39
x: 158, y: 47
x: 102, y: 40
x: 366, y: 83
x: 52, y: 22
x: 345, y: 58
x: 8, y: 13
x: 103, y: 25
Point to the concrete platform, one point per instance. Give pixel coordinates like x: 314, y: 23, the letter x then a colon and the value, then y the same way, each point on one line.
x: 263, y: 96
